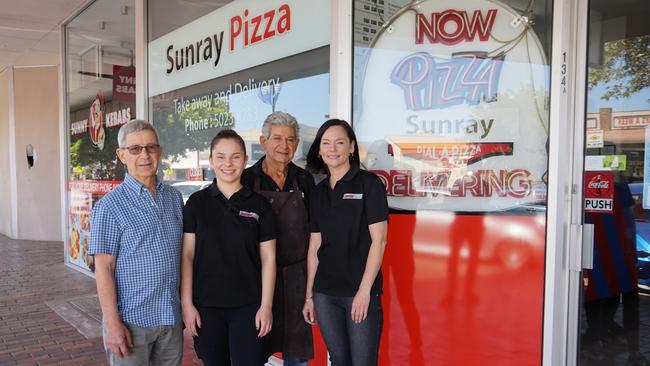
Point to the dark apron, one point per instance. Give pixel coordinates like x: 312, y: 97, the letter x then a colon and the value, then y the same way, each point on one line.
x: 290, y: 335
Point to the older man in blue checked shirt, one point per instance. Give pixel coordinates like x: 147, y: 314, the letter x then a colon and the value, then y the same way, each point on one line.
x: 135, y: 236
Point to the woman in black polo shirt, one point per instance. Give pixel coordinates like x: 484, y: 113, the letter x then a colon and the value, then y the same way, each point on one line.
x: 228, y: 262
x: 349, y: 219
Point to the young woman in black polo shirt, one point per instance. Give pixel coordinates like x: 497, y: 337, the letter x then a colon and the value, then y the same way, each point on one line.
x: 228, y: 262
x: 349, y: 219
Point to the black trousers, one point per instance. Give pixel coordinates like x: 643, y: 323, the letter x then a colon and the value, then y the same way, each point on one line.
x: 600, y: 317
x: 229, y: 335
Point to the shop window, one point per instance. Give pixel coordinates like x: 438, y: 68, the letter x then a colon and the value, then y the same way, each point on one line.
x: 271, y: 71
x: 100, y: 87
x: 455, y: 123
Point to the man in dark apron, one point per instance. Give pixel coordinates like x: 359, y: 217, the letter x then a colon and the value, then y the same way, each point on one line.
x: 287, y: 188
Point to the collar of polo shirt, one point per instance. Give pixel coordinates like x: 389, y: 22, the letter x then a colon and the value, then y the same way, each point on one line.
x: 132, y: 183
x: 350, y: 174
x: 213, y: 190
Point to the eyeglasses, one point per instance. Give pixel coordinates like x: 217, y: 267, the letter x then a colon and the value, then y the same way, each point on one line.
x: 137, y: 149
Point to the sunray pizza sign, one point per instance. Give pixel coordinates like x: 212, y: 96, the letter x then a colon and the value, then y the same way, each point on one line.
x: 453, y: 108
x: 239, y: 35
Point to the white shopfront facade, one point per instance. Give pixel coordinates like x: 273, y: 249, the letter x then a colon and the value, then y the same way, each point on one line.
x: 471, y: 112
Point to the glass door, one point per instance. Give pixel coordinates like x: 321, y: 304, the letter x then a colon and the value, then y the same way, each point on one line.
x: 615, y: 307
x: 451, y: 110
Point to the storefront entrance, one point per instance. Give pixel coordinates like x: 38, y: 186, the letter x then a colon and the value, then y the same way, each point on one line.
x: 615, y: 304
x: 451, y: 109
x: 470, y: 113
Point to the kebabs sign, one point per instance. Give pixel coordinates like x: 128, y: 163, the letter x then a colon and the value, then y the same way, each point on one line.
x: 237, y: 36
x: 453, y: 113
x: 99, y: 120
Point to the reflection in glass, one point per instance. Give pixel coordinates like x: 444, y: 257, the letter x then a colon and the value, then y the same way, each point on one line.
x: 100, y: 85
x: 617, y: 120
x: 451, y: 112
x: 467, y: 128
x: 188, y: 119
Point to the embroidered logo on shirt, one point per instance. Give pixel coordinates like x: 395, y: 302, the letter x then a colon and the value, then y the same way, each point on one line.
x: 352, y: 196
x: 249, y: 214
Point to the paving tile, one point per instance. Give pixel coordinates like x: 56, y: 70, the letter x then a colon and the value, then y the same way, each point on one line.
x: 49, y: 313
x: 31, y: 333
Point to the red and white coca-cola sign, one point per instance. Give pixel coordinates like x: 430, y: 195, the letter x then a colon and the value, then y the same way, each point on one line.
x: 599, y: 192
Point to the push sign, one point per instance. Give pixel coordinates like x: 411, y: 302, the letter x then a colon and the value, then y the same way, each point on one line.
x: 599, y: 192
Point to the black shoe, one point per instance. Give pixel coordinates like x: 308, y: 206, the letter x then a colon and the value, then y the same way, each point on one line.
x: 637, y: 359
x: 593, y: 357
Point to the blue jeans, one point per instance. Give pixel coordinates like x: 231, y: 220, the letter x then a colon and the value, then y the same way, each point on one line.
x: 290, y: 361
x: 349, y: 343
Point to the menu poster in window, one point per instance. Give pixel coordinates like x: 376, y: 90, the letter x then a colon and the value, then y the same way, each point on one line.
x: 450, y: 118
x: 79, y: 229
x: 83, y: 194
x: 94, y: 168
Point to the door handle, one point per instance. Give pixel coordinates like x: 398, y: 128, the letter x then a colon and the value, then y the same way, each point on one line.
x: 588, y: 246
x: 581, y: 247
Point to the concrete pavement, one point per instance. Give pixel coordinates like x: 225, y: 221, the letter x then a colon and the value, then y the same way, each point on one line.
x: 49, y: 313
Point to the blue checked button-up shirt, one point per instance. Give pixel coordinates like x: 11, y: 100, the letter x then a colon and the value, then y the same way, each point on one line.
x: 145, y: 236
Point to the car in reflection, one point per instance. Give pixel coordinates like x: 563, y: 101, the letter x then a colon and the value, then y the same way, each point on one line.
x: 642, y: 223
x: 190, y: 186
x: 512, y: 239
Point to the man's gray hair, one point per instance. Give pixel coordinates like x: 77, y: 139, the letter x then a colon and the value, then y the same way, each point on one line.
x: 279, y: 119
x: 134, y: 125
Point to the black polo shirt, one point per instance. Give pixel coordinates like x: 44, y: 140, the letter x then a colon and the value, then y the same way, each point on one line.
x: 227, y: 266
x: 342, y: 216
x: 303, y: 178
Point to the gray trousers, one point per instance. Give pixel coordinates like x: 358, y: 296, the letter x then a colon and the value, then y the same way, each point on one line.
x: 159, y: 346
